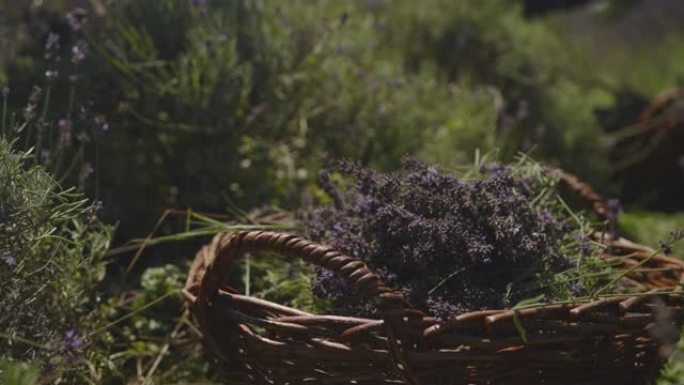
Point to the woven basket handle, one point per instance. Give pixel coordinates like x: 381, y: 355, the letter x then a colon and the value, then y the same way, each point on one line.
x: 396, y: 312
x: 586, y: 192
x: 353, y: 271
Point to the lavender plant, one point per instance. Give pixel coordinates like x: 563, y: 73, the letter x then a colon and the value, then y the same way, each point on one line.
x: 451, y: 243
x: 63, y: 130
x: 51, y: 257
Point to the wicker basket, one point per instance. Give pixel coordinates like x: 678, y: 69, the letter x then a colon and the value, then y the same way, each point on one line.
x: 614, y: 340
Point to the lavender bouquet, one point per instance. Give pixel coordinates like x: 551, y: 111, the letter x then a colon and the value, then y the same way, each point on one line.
x: 486, y: 237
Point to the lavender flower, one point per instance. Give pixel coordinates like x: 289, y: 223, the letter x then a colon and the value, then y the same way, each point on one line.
x: 101, y: 124
x: 51, y: 45
x: 665, y: 247
x: 78, y: 52
x: 76, y: 18
x: 418, y: 228
x: 72, y: 341
x: 585, y: 246
x: 51, y: 74
x: 64, y: 128
x: 30, y: 110
x: 577, y: 289
x: 614, y: 210
x: 8, y: 259
x: 71, y: 346
x: 96, y: 207
x: 86, y: 172
x: 44, y: 155
x: 677, y: 234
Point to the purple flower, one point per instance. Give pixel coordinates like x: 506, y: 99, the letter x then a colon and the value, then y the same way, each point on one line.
x: 96, y: 207
x: 51, y: 74
x: 665, y: 247
x: 8, y: 260
x: 677, y: 234
x: 71, y: 345
x: 78, y: 51
x: 614, y: 208
x: 72, y: 341
x: 64, y: 127
x: 420, y: 222
x: 44, y: 155
x: 51, y: 45
x: 86, y: 171
x: 585, y: 247
x: 577, y: 288
x: 34, y: 98
x: 76, y: 18
x: 101, y: 124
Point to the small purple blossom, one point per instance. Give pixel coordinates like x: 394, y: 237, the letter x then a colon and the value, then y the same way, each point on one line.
x: 614, y: 209
x: 96, y: 207
x: 72, y: 340
x: 32, y: 105
x: 585, y: 247
x: 8, y: 260
x: 71, y: 345
x: 76, y: 18
x: 78, y: 51
x: 677, y: 234
x: 64, y: 128
x: 86, y: 171
x: 665, y: 247
x: 51, y: 74
x: 576, y: 288
x: 44, y: 155
x: 101, y: 124
x: 51, y: 45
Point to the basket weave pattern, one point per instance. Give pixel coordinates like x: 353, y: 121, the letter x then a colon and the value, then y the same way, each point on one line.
x: 614, y: 340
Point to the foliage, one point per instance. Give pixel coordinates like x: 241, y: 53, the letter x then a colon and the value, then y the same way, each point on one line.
x: 673, y: 373
x: 545, y: 97
x: 251, y: 84
x: 652, y: 228
x: 18, y: 373
x: 52, y: 248
x: 214, y: 102
x: 450, y: 244
x: 148, y: 339
x: 63, y: 129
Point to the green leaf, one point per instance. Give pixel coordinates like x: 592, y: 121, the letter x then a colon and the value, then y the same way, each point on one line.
x: 524, y: 304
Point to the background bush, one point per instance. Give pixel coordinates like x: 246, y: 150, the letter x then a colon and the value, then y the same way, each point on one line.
x: 214, y: 103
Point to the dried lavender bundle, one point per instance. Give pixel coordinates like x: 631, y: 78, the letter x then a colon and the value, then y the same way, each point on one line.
x: 486, y: 238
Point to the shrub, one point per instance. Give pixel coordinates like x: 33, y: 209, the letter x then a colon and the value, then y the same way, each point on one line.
x: 545, y: 95
x: 215, y: 103
x: 52, y: 247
